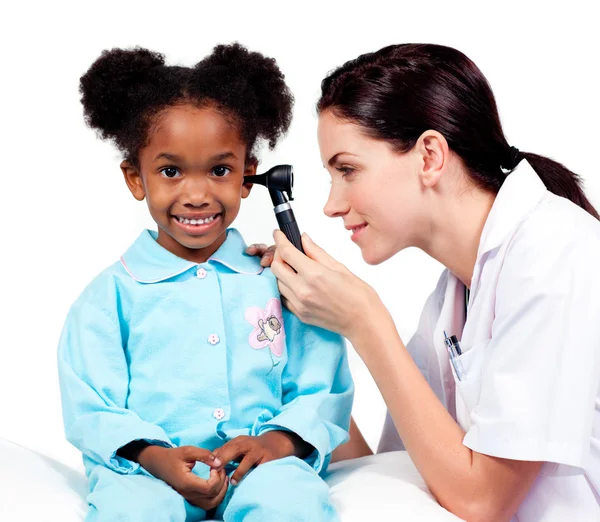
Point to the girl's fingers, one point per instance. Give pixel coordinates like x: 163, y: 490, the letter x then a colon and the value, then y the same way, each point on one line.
x: 245, y: 466
x: 232, y: 450
x: 194, y: 454
x: 194, y: 485
x: 219, y: 498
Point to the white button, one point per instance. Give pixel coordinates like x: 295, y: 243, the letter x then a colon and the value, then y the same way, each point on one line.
x: 201, y: 273
x: 218, y: 414
x: 213, y: 339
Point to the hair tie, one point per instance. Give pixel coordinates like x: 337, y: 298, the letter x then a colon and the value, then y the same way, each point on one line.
x: 514, y: 157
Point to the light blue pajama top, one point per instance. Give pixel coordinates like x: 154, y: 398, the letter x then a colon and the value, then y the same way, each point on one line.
x: 162, y: 349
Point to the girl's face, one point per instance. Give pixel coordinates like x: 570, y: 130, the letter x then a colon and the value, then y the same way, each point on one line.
x: 375, y: 190
x: 191, y: 174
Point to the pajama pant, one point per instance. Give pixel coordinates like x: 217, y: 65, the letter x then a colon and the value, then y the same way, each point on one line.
x: 280, y: 491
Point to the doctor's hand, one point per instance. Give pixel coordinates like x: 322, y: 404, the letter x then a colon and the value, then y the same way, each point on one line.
x: 260, y: 249
x: 174, y: 466
x: 321, y: 291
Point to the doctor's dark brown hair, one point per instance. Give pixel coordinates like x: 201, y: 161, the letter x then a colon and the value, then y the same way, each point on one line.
x: 397, y: 93
x: 124, y: 91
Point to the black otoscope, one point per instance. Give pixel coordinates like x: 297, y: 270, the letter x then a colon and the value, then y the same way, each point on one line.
x: 280, y: 181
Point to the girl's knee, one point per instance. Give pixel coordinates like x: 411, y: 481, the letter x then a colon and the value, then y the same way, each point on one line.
x: 132, y: 498
x: 285, y: 489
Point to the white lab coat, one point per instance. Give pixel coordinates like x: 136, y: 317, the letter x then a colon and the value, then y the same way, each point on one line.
x: 531, y: 347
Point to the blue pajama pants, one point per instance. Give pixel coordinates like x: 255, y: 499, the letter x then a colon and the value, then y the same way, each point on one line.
x: 280, y: 491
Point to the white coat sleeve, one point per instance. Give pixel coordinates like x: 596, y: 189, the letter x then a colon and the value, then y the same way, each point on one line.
x: 540, y: 378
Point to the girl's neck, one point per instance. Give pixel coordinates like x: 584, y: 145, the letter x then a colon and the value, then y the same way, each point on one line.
x: 455, y: 232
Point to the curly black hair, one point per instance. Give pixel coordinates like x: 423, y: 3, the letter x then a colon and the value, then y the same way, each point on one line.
x: 125, y: 89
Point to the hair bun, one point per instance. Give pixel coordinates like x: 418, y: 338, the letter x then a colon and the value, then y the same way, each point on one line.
x: 252, y: 78
x: 113, y: 88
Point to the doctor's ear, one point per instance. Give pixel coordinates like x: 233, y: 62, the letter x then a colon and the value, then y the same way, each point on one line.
x: 133, y: 179
x: 433, y: 152
x: 249, y: 170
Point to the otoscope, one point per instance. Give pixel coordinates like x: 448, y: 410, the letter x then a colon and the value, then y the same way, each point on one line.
x: 280, y: 181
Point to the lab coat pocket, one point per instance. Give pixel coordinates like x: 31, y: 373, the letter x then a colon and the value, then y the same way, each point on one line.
x: 469, y: 389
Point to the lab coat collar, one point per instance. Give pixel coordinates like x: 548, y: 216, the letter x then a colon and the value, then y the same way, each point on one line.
x: 148, y: 262
x: 520, y: 193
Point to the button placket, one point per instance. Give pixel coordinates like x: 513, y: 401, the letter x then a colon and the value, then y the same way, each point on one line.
x: 214, y: 335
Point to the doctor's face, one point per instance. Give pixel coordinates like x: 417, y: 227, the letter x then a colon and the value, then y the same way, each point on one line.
x: 375, y: 190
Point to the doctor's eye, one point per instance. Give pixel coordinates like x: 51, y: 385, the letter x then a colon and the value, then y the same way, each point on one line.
x: 345, y: 170
x: 170, y: 172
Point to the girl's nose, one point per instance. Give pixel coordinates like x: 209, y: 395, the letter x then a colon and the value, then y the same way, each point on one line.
x: 195, y: 192
x: 336, y: 205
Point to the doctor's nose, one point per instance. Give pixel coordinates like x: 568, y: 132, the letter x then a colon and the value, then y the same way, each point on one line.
x: 336, y: 206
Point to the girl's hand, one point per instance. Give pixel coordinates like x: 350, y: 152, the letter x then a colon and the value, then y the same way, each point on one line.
x: 174, y: 466
x: 253, y: 451
x: 260, y: 249
x: 321, y: 291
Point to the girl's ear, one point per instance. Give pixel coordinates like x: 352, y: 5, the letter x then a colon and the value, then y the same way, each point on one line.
x: 250, y: 170
x: 134, y: 180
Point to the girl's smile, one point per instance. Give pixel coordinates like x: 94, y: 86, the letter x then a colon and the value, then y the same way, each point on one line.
x: 197, y: 224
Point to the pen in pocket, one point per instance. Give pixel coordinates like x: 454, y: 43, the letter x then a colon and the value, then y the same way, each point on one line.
x: 454, y: 351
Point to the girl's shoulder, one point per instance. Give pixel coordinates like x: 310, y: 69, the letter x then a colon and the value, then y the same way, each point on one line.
x: 106, y: 289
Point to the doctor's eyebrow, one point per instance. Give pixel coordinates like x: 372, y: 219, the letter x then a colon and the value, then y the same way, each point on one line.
x: 334, y: 158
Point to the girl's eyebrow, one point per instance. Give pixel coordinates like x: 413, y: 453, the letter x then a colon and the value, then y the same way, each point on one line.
x: 223, y: 156
x: 170, y: 157
x: 218, y: 157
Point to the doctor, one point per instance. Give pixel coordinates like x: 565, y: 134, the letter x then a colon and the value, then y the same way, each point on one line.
x: 504, y: 424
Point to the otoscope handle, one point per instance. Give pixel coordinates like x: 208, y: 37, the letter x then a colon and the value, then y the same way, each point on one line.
x: 287, y: 224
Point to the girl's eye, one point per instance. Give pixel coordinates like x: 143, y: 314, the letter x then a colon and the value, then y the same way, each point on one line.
x: 221, y: 171
x: 170, y: 172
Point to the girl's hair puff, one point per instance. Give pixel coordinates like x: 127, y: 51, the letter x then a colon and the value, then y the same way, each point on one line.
x: 125, y: 89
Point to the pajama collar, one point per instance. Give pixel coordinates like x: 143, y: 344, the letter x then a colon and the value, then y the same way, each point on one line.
x: 148, y: 262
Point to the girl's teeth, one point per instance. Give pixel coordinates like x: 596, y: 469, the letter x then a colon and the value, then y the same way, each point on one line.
x: 186, y: 221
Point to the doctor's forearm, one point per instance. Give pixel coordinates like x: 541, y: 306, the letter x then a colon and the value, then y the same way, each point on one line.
x: 470, y: 485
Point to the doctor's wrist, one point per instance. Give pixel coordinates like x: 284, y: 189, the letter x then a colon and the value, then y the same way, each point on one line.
x: 367, y: 318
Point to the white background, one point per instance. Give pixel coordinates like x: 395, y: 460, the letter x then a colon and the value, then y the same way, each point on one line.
x: 66, y: 213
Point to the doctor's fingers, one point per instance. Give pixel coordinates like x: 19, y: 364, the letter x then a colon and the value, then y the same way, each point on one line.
x: 318, y: 254
x: 291, y: 255
x: 282, y: 271
x: 295, y: 305
x: 265, y: 253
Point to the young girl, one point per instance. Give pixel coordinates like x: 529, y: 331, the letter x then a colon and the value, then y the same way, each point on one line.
x: 178, y: 362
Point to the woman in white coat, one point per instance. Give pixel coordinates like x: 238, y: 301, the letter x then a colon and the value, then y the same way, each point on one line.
x: 506, y: 425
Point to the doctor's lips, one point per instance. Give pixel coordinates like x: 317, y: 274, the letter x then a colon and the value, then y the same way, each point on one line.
x: 356, y: 229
